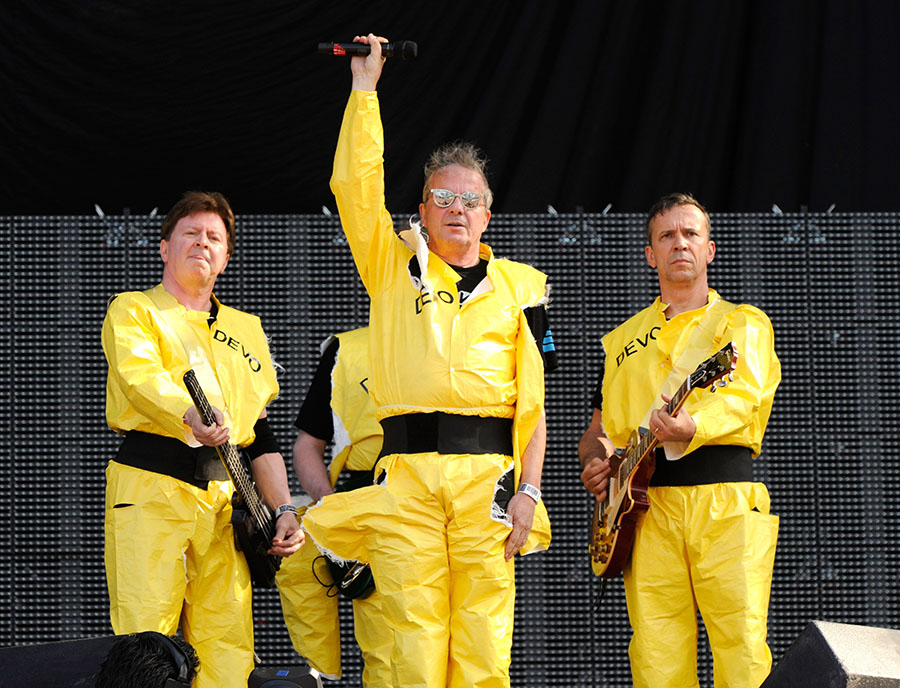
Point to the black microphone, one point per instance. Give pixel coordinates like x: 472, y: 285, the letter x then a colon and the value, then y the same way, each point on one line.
x: 405, y: 50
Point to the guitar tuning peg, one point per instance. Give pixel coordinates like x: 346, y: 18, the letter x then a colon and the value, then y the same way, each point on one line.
x: 721, y: 383
x: 731, y: 377
x: 713, y: 389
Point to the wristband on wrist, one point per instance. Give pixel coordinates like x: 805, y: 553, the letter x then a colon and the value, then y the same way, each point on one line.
x: 531, y: 491
x: 285, y: 509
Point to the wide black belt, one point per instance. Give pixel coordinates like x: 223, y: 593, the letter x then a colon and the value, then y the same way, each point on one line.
x: 166, y: 455
x: 704, y: 466
x: 446, y: 433
x: 353, y: 480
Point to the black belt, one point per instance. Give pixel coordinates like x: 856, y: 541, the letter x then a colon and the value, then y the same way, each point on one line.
x: 704, y: 466
x: 166, y: 455
x: 353, y: 480
x: 446, y: 433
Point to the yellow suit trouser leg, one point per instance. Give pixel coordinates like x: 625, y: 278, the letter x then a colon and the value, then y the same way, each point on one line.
x: 446, y: 591
x: 663, y: 648
x: 310, y: 614
x: 732, y: 583
x: 375, y: 641
x: 703, y: 543
x: 482, y: 592
x: 170, y: 555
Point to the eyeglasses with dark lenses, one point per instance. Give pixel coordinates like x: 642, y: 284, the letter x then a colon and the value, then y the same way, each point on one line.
x: 443, y: 198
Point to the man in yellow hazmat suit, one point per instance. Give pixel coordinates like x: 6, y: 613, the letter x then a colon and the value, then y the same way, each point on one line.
x: 707, y: 540
x: 458, y: 340
x: 169, y: 543
x: 337, y: 409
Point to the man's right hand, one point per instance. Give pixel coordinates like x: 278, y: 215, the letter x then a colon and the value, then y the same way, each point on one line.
x: 595, y: 476
x: 208, y: 435
x: 598, y: 457
x: 367, y: 70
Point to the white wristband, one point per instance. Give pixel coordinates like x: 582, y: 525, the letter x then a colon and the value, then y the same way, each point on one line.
x: 531, y: 491
x: 285, y: 509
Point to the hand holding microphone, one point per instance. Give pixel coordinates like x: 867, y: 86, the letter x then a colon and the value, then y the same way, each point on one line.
x: 367, y: 61
x: 405, y: 50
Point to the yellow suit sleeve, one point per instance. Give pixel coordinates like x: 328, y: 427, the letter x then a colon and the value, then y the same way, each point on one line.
x: 357, y: 182
x: 738, y: 413
x: 137, y: 373
x: 529, y: 407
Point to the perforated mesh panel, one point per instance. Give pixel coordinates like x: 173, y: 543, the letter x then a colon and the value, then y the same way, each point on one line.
x: 828, y: 282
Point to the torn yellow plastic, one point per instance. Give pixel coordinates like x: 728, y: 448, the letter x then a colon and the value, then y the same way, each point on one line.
x: 431, y: 535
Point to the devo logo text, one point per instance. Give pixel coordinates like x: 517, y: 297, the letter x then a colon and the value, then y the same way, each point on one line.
x: 233, y: 343
x: 427, y: 297
x: 631, y: 347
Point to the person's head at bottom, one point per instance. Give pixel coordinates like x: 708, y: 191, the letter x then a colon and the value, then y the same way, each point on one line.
x: 148, y: 660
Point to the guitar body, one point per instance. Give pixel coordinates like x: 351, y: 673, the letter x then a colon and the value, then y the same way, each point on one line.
x: 613, y: 530
x: 254, y: 544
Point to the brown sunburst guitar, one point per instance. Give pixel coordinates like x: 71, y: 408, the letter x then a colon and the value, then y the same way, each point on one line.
x: 615, y: 518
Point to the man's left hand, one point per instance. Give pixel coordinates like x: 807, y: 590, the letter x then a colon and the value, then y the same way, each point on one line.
x: 288, y: 536
x: 678, y: 428
x: 521, y: 513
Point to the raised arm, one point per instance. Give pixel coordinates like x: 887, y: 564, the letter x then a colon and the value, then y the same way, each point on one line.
x: 357, y: 179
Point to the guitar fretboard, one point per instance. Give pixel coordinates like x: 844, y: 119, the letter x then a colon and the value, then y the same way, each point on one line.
x: 229, y: 456
x: 706, y: 374
x: 648, y: 441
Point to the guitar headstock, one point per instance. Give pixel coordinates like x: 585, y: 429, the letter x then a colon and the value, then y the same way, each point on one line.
x: 716, y: 368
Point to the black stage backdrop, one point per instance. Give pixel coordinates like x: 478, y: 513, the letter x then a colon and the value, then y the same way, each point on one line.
x: 579, y: 104
x: 829, y: 282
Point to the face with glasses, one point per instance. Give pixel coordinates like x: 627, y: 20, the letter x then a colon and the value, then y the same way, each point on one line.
x: 455, y: 214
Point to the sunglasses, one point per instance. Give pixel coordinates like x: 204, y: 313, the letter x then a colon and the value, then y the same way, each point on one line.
x: 443, y: 198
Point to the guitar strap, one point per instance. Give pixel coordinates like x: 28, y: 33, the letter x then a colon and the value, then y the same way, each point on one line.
x: 194, y: 352
x: 694, y: 352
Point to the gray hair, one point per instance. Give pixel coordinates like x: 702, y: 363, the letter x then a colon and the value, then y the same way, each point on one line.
x: 460, y: 153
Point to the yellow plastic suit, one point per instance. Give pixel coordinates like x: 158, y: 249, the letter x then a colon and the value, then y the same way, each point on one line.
x: 710, y: 546
x: 170, y: 552
x: 430, y: 527
x: 311, y: 615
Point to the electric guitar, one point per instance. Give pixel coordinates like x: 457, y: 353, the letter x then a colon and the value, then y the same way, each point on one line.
x: 251, y: 519
x: 615, y: 518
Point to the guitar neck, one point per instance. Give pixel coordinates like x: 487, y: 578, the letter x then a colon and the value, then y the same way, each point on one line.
x: 648, y: 441
x: 227, y: 451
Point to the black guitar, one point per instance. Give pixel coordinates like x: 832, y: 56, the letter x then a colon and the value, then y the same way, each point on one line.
x: 252, y: 520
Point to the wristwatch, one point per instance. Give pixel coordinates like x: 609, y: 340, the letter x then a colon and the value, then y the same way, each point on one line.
x: 285, y: 509
x: 531, y: 491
